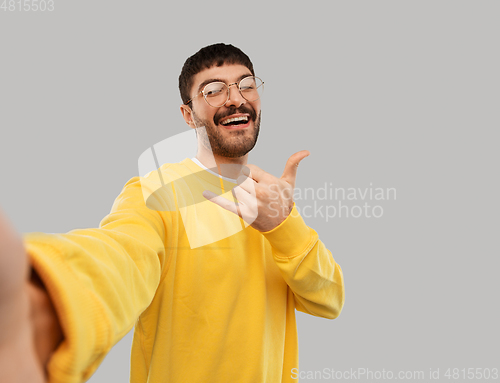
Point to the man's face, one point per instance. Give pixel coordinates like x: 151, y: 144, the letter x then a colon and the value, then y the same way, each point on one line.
x: 227, y: 140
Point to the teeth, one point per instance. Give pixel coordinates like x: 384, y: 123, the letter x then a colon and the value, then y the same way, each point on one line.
x: 229, y: 120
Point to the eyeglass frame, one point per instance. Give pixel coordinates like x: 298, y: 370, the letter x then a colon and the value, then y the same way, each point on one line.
x: 228, y: 86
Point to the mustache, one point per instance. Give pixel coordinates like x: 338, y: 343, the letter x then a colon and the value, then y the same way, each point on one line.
x: 232, y: 110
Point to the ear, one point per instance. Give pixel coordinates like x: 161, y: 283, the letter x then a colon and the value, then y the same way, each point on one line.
x: 187, y: 113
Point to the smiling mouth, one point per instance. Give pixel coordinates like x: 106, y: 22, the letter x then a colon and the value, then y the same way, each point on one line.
x: 234, y: 121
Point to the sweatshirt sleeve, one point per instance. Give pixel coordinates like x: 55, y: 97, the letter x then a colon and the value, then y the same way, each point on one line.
x: 100, y: 280
x: 308, y: 267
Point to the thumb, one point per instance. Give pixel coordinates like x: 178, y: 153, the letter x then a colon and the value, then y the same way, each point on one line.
x: 290, y: 172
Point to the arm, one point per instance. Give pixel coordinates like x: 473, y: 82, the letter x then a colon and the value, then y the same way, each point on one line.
x: 308, y: 267
x: 99, y: 280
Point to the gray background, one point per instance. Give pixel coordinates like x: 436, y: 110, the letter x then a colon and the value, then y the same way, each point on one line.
x: 397, y: 94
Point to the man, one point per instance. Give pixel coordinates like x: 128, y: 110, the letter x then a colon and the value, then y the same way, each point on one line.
x: 219, y: 311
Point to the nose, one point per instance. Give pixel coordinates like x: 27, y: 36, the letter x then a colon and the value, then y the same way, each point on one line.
x: 235, y: 97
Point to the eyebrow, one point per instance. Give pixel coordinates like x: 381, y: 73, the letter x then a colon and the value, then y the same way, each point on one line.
x: 208, y: 81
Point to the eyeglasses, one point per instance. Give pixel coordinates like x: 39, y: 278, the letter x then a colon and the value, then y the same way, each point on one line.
x: 216, y: 93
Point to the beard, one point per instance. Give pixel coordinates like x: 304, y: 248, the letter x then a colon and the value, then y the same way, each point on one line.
x: 235, y: 144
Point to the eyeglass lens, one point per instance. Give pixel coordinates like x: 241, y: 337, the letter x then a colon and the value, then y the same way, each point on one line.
x: 216, y: 93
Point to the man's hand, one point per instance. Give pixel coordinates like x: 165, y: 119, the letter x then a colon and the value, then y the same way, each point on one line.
x: 264, y: 201
x: 27, y: 318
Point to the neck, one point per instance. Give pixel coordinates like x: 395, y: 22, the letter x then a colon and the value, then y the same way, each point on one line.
x: 225, y: 166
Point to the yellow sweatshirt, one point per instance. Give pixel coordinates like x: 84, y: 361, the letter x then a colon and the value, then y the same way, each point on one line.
x: 216, y: 307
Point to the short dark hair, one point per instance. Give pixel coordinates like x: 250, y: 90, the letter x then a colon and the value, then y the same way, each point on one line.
x: 207, y: 57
